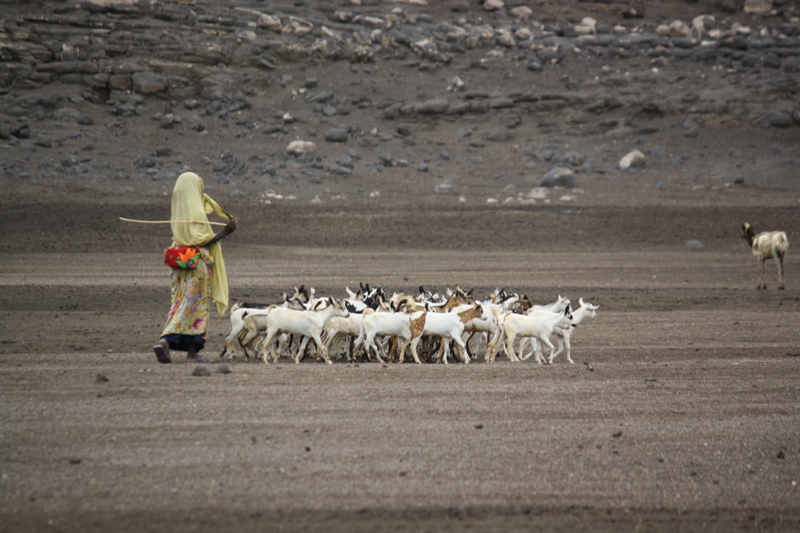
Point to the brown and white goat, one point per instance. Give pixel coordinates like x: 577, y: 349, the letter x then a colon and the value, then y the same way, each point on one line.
x: 767, y: 245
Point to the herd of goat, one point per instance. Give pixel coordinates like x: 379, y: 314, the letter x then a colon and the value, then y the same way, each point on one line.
x: 368, y: 324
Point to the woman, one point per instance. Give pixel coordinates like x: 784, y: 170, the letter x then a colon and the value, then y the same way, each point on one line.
x: 194, y: 288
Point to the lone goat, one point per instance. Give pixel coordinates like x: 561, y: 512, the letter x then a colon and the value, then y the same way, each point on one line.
x: 766, y: 245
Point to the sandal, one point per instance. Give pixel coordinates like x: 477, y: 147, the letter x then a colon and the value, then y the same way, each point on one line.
x: 161, y: 354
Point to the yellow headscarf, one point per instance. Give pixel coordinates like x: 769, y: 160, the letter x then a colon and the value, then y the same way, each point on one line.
x: 190, y: 202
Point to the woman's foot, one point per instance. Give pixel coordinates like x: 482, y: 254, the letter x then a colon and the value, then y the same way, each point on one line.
x: 162, y: 352
x: 191, y: 353
x: 194, y: 357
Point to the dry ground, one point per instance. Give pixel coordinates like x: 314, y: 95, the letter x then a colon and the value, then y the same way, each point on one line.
x: 680, y: 414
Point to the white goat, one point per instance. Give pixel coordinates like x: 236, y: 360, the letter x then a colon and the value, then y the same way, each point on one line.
x: 402, y: 325
x: 342, y: 326
x: 539, y: 324
x: 450, y: 326
x: 564, y: 335
x: 559, y: 306
x: 564, y: 332
x: 309, y: 324
x: 767, y: 245
x: 238, y: 313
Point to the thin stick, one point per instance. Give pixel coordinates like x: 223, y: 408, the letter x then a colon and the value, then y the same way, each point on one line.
x: 171, y: 221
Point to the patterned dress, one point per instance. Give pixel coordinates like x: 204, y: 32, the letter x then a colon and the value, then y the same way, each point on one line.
x: 187, y: 322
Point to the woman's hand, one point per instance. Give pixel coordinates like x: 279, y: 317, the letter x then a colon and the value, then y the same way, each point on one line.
x: 230, y: 227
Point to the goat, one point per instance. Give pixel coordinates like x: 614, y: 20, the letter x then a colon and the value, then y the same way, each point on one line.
x: 341, y: 326
x: 565, y: 330
x: 248, y: 320
x: 560, y: 305
x: 564, y: 335
x: 488, y: 325
x: 309, y: 324
x: 539, y: 324
x: 239, y: 311
x: 403, y: 325
x: 450, y: 326
x: 767, y: 245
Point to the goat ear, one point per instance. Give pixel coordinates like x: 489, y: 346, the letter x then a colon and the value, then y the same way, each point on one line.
x: 580, y: 301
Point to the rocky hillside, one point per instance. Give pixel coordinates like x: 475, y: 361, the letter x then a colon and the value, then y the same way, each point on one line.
x: 329, y: 100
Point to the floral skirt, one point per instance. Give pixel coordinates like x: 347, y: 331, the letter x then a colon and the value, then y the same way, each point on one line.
x: 187, y: 322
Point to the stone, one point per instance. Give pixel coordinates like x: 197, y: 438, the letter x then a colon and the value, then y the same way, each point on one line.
x: 779, y: 119
x: 635, y: 9
x: 299, y: 147
x: 201, y: 371
x: 559, y: 177
x: 499, y: 136
x: 758, y: 7
x: 336, y: 135
x: 148, y: 82
x: 633, y: 159
x: 433, y: 106
x: 66, y: 114
x: 694, y: 245
x: 493, y: 5
x: 690, y: 127
x: 523, y: 13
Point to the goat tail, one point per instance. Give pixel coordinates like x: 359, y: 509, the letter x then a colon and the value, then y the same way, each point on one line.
x: 782, y: 244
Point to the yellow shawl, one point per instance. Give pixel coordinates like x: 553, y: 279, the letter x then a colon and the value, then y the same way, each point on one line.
x: 190, y: 202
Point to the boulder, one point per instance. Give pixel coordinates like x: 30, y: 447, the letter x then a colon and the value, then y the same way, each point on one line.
x: 148, y: 82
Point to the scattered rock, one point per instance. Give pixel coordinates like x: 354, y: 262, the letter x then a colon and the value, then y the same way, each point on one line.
x: 201, y: 371
x: 633, y: 159
x: 694, y: 245
x: 337, y: 135
x: 304, y: 147
x: 493, y: 5
x: 559, y: 177
x: 148, y: 82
